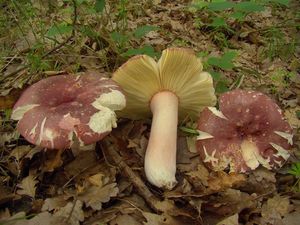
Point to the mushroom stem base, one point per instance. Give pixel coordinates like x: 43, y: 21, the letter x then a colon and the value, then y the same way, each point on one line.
x: 160, y: 158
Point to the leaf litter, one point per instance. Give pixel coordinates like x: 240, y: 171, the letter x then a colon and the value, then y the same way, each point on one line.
x: 105, y: 183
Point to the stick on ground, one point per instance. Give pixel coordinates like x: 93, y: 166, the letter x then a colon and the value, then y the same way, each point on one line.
x: 109, y: 146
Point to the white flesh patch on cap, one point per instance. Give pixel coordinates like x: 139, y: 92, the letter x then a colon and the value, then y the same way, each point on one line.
x: 50, y: 136
x: 203, y: 135
x: 106, y: 119
x: 19, y: 112
x: 210, y: 158
x: 33, y: 131
x: 217, y: 112
x: 287, y: 136
x: 281, y: 152
x: 68, y: 122
x: 252, y: 156
x: 103, y: 121
x: 41, y: 131
x: 113, y: 100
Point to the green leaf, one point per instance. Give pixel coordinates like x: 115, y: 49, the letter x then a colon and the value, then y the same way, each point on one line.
x: 215, y: 75
x: 143, y: 30
x: 225, y: 62
x: 218, y: 6
x: 189, y: 130
x: 99, y: 5
x: 221, y: 86
x: 298, y: 114
x: 200, y: 5
x: 146, y: 50
x: 295, y: 169
x: 282, y: 2
x: 218, y: 22
x: 118, y: 37
x: 249, y: 7
x: 202, y: 54
x: 59, y: 29
x: 240, y: 16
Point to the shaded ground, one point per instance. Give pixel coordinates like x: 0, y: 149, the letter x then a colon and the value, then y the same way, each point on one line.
x: 254, y: 46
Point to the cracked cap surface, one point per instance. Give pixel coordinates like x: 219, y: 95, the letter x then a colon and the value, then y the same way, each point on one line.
x: 57, y: 109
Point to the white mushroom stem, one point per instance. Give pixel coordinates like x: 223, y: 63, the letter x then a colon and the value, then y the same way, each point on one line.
x: 160, y: 158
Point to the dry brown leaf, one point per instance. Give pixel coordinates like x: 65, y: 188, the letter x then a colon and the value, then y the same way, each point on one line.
x: 276, y: 207
x: 201, y: 174
x: 27, y: 186
x: 124, y: 219
x: 224, y: 180
x: 33, y: 151
x: 71, y: 214
x: 94, y: 196
x: 4, y: 214
x: 231, y: 220
x: 292, y: 218
x: 54, y: 162
x: 290, y: 115
x: 97, y: 179
x: 8, y: 137
x: 83, y: 161
x: 20, y: 151
x: 264, y: 174
x: 163, y: 219
x: 54, y: 203
x: 43, y: 218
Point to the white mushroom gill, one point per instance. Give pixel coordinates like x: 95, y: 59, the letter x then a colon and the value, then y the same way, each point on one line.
x: 19, y: 112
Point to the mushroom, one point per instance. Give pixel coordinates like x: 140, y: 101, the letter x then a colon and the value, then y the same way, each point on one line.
x: 173, y: 88
x: 249, y: 130
x: 55, y: 110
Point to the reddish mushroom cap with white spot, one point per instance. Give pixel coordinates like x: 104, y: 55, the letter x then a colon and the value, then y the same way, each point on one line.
x: 249, y: 130
x: 52, y: 110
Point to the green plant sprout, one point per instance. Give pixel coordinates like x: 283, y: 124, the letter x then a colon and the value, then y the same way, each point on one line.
x: 295, y: 171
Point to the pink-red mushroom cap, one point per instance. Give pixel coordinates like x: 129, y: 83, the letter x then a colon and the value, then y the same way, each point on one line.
x: 54, y: 111
x: 249, y: 130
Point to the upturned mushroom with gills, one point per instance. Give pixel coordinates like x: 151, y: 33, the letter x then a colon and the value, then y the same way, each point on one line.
x: 172, y: 88
x: 55, y: 111
x: 248, y: 130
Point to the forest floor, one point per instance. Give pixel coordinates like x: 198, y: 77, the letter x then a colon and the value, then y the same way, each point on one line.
x: 243, y: 44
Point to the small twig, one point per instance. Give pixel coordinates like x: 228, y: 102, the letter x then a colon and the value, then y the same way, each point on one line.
x: 156, y: 204
x: 72, y: 210
x: 76, y: 175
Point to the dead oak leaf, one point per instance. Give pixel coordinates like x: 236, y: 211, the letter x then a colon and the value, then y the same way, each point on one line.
x: 28, y: 186
x: 124, y: 219
x: 54, y: 203
x: 163, y: 219
x: 20, y: 151
x: 201, y: 174
x: 224, y: 180
x: 94, y: 196
x: 70, y: 214
x: 276, y: 207
x: 43, y: 218
x: 231, y: 220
